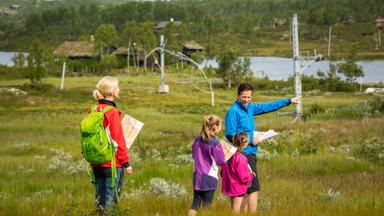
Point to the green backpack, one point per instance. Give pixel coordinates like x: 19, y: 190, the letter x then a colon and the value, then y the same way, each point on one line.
x: 95, y: 145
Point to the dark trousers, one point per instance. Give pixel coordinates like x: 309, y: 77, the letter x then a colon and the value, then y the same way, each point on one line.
x: 255, y: 186
x: 202, y: 198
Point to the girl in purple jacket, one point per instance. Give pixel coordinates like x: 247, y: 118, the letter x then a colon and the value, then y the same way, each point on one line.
x: 207, y: 154
x: 236, y: 175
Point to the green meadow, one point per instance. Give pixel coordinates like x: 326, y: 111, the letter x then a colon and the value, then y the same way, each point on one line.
x: 331, y: 163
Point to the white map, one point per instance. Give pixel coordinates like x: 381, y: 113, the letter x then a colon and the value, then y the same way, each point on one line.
x: 228, y: 149
x: 265, y: 135
x: 131, y: 128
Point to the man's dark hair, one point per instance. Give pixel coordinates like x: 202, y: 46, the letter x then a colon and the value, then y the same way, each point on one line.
x: 244, y: 87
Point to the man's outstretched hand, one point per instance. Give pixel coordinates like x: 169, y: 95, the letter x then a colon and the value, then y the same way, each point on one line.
x: 295, y: 100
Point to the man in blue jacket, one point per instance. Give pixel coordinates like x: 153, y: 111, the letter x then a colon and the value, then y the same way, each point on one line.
x: 240, y: 118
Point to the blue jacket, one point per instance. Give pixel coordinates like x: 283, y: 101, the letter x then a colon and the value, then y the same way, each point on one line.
x: 241, y: 119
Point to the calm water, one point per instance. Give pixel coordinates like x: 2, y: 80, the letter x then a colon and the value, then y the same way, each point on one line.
x: 276, y: 68
x: 6, y: 58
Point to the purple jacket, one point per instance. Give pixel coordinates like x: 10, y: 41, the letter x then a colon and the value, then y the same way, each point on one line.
x: 235, y: 176
x: 207, y: 157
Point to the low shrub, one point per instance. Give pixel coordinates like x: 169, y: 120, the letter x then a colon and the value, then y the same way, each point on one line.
x: 369, y: 108
x: 328, y: 195
x: 376, y: 105
x: 372, y: 149
x: 315, y: 109
x: 161, y: 188
x: 38, y: 88
x: 291, y: 143
x: 354, y: 111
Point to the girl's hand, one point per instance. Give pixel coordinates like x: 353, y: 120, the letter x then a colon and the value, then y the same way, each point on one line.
x: 129, y: 170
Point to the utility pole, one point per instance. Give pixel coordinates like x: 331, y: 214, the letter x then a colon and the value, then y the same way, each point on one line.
x: 297, y: 66
x: 163, y: 88
x: 62, y: 77
x: 182, y: 57
x: 361, y: 84
x: 290, y: 31
x: 128, y: 54
x: 329, y: 41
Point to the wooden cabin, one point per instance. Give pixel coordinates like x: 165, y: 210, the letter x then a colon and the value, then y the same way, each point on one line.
x: 76, y: 50
x: 190, y: 47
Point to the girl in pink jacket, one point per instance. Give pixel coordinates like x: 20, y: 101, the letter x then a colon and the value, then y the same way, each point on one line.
x: 235, y: 174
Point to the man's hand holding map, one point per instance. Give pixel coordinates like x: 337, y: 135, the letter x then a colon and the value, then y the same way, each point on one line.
x: 264, y: 135
x: 229, y: 149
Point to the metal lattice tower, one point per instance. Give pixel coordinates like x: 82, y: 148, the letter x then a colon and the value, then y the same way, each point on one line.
x: 297, y: 65
x: 300, y: 63
x: 163, y: 88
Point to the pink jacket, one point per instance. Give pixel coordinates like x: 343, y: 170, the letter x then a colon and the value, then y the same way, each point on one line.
x: 236, y: 176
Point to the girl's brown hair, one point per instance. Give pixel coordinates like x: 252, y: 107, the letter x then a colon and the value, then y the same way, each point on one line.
x: 241, y: 141
x: 211, y: 125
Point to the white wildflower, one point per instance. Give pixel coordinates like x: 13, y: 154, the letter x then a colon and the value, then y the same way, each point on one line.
x: 295, y: 153
x: 345, y: 148
x: 39, y: 157
x: 160, y: 187
x: 329, y: 195
x: 351, y: 158
x: 331, y: 149
x: 155, y: 155
x: 21, y: 145
x: 134, y: 156
x: 184, y: 159
x: 381, y: 155
x: 63, y: 161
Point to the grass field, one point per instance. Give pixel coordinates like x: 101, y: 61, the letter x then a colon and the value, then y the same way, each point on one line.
x: 321, y: 166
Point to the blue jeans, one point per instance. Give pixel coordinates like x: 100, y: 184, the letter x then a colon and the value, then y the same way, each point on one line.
x: 105, y: 193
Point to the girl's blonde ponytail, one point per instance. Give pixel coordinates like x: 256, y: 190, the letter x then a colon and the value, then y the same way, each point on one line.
x: 105, y: 87
x: 97, y: 94
x: 211, y: 124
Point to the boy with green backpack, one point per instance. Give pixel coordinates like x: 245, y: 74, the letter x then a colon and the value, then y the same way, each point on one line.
x: 103, y: 144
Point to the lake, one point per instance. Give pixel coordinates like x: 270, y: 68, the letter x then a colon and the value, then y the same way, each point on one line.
x: 276, y: 68
x: 6, y: 58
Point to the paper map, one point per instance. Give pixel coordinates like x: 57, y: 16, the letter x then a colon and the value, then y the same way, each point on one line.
x: 131, y: 128
x: 228, y: 149
x: 264, y: 135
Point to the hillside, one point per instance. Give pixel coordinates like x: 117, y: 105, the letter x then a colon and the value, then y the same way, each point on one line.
x: 254, y: 27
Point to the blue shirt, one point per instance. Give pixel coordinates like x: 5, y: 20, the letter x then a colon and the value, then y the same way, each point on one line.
x: 241, y: 119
